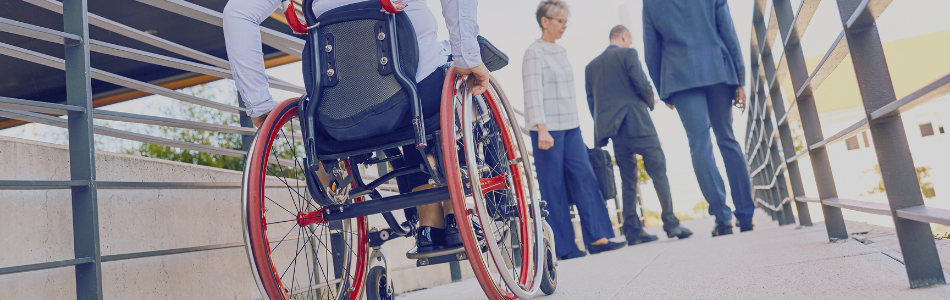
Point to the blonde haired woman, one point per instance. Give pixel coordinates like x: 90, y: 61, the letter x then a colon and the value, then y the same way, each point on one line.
x: 559, y: 150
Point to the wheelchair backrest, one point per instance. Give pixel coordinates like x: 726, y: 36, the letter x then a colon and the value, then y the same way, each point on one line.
x: 365, y: 81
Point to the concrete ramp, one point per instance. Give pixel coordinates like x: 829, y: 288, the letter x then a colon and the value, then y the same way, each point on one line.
x: 769, y: 263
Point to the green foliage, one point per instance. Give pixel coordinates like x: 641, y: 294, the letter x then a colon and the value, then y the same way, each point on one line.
x: 701, y: 208
x: 642, y: 176
x: 192, y: 112
x: 923, y: 172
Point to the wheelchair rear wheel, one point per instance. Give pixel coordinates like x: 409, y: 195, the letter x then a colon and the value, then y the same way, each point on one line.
x: 485, y: 154
x: 293, y: 252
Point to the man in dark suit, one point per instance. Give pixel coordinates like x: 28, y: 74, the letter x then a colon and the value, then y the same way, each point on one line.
x: 620, y: 100
x: 695, y: 61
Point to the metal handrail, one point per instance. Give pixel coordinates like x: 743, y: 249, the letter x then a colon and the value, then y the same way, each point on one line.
x: 903, y: 203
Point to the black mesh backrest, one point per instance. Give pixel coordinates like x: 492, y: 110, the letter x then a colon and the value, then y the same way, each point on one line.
x: 360, y: 86
x: 361, y: 93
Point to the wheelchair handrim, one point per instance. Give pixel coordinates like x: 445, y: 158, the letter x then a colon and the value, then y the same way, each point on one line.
x: 530, y: 256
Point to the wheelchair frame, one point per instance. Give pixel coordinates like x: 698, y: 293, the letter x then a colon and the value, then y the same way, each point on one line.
x: 349, y: 188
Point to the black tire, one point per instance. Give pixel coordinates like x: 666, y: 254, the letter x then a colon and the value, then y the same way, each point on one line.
x: 377, y: 288
x: 549, y: 278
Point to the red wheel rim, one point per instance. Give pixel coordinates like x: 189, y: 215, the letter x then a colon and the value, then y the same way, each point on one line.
x: 257, y: 225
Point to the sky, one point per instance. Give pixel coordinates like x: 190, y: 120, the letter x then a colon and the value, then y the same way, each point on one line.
x: 511, y: 26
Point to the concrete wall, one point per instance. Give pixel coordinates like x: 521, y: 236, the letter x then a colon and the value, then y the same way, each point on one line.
x: 36, y: 227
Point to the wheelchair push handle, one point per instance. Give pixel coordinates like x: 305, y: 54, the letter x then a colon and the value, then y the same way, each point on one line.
x: 393, y: 7
x: 300, y: 27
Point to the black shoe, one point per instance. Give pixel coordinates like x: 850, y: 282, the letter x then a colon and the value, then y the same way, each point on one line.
x: 572, y: 255
x: 610, y: 245
x: 722, y: 229
x: 640, y: 237
x: 746, y: 227
x: 429, y: 239
x: 678, y: 232
x: 453, y: 238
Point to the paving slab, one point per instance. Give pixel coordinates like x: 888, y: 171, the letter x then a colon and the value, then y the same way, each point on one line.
x: 786, y: 262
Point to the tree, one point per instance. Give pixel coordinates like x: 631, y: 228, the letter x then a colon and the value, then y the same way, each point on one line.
x: 923, y: 172
x: 192, y: 112
x: 701, y: 208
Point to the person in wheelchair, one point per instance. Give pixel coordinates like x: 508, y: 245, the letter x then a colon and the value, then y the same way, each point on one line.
x: 437, y: 227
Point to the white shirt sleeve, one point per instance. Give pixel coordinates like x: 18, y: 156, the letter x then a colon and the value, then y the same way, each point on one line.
x: 242, y: 37
x: 533, y: 78
x: 461, y: 21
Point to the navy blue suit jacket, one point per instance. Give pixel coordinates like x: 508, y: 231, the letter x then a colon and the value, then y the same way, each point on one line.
x: 689, y: 44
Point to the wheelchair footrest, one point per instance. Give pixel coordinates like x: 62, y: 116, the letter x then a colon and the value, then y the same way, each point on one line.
x: 438, y: 257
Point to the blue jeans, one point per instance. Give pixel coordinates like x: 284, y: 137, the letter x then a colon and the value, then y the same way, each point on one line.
x: 567, y: 163
x: 699, y: 109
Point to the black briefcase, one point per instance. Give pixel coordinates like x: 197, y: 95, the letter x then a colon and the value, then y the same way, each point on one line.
x: 604, y: 170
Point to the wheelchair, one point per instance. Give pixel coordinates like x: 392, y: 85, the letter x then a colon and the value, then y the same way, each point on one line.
x: 307, y: 235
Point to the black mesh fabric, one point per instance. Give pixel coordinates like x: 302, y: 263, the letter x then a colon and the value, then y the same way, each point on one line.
x: 360, y: 87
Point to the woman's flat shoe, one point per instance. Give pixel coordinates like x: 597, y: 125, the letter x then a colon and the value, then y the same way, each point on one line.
x: 610, y: 245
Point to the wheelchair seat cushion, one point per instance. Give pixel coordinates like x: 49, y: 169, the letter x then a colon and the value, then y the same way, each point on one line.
x: 361, y: 96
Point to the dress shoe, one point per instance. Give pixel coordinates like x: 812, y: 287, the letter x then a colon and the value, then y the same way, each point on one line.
x: 572, y: 255
x: 610, y: 245
x: 722, y: 229
x: 640, y: 237
x: 429, y: 239
x: 746, y: 227
x: 678, y: 232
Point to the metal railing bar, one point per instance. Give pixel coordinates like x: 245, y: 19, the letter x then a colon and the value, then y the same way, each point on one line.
x: 157, y: 59
x: 283, y: 42
x: 770, y: 32
x: 761, y: 140
x: 837, y: 53
x: 771, y: 184
x: 843, y: 134
x: 768, y: 144
x: 759, y: 119
x: 138, y: 35
x: 780, y: 71
x: 118, y: 257
x: 127, y: 256
x: 790, y: 112
x: 41, y: 184
x: 134, y: 54
x: 925, y: 214
x: 862, y: 206
x: 933, y: 90
x: 866, y: 13
x: 160, y: 121
x: 58, y: 63
x: 808, y: 199
x: 45, y: 266
x: 58, y: 122
x: 128, y: 185
x: 37, y: 32
x: 771, y: 207
x: 37, y: 106
x: 797, y: 156
x: 805, y: 12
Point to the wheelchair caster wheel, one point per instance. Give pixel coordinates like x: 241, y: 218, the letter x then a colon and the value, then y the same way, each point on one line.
x: 378, y: 288
x: 549, y: 278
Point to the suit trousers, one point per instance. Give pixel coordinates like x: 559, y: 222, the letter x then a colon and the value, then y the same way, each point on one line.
x: 567, y: 163
x: 708, y: 107
x: 626, y: 149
